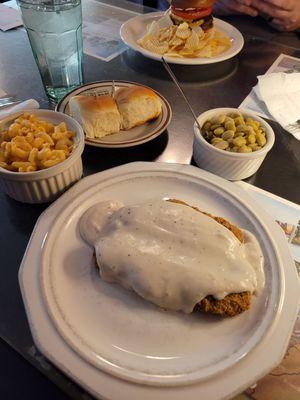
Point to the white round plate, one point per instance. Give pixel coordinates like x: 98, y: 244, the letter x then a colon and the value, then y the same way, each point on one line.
x: 133, y: 137
x: 120, y: 333
x: 132, y: 30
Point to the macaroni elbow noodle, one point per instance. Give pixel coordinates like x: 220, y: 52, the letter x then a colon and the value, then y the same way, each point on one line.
x: 30, y: 144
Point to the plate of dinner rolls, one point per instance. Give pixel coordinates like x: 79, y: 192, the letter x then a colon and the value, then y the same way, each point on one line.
x: 117, y: 113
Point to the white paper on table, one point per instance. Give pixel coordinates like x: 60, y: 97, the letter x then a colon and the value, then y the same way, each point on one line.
x: 284, y: 212
x: 30, y: 104
x: 284, y: 63
x: 281, y: 94
x: 101, y: 25
x: 253, y: 103
x: 101, y: 29
x: 9, y: 18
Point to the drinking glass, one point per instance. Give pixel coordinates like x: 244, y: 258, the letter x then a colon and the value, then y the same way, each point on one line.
x: 54, y: 28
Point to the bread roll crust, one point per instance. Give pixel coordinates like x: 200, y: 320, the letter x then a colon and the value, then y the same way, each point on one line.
x: 137, y: 105
x: 102, y: 115
x: 134, y: 92
x: 95, y: 103
x: 98, y: 115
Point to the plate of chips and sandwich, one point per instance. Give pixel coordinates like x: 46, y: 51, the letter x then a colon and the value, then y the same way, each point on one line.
x: 190, y: 36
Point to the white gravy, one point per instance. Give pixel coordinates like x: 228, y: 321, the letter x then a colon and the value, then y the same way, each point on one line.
x: 170, y: 254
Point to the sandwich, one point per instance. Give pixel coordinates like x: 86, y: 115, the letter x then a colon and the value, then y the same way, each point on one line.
x: 175, y: 256
x: 137, y: 105
x: 98, y: 115
x: 193, y: 12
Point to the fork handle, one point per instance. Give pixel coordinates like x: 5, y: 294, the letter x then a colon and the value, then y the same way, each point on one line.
x: 9, y: 103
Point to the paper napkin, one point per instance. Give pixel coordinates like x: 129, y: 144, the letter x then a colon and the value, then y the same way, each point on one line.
x: 25, y: 105
x: 281, y: 94
x: 9, y: 18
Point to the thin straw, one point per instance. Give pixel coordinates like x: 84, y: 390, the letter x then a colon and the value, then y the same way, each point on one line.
x: 170, y: 72
x: 113, y: 89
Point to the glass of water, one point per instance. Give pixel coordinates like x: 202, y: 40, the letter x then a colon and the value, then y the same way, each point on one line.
x: 54, y: 28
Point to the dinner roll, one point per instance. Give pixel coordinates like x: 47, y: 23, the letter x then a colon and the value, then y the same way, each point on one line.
x: 137, y: 105
x: 98, y: 115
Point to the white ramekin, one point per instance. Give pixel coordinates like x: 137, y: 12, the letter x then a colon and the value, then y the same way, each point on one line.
x: 47, y: 184
x: 232, y: 166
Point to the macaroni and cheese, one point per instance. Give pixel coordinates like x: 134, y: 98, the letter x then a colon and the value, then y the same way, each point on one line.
x: 31, y: 144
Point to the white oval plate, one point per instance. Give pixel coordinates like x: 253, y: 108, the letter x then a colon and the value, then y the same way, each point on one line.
x: 120, y: 333
x: 133, y: 137
x: 132, y: 30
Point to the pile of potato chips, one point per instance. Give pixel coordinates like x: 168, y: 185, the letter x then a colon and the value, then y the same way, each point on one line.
x: 184, y: 40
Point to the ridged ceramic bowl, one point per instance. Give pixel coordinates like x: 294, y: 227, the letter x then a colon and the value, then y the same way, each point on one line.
x: 228, y: 165
x: 47, y: 184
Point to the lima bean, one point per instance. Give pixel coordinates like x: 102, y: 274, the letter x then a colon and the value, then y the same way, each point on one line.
x: 251, y: 138
x: 261, y: 140
x: 235, y: 115
x: 219, y: 131
x: 228, y: 135
x: 254, y: 146
x: 216, y: 140
x: 234, y: 133
x: 242, y: 128
x: 239, y: 121
x: 250, y: 129
x: 252, y: 124
x: 218, y: 119
x: 230, y: 126
x: 239, y: 134
x: 207, y: 126
x: 221, y: 145
x: 239, y: 141
x: 244, y: 149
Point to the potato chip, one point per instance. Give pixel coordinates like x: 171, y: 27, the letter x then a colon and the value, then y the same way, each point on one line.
x: 176, y: 49
x: 183, y: 34
x: 183, y: 31
x: 164, y: 35
x: 217, y: 50
x: 176, y: 42
x: 158, y: 49
x: 184, y: 40
x: 165, y: 22
x: 173, y: 32
x: 205, y: 52
x: 152, y: 44
x: 189, y: 54
x: 199, y: 31
x: 153, y: 29
x: 210, y: 34
x: 222, y: 38
x: 171, y: 54
x: 192, y: 42
x: 184, y: 26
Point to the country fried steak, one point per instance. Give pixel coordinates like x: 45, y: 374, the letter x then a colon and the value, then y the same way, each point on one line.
x: 234, y: 303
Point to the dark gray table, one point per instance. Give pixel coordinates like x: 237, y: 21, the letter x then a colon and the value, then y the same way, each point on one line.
x: 225, y: 84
